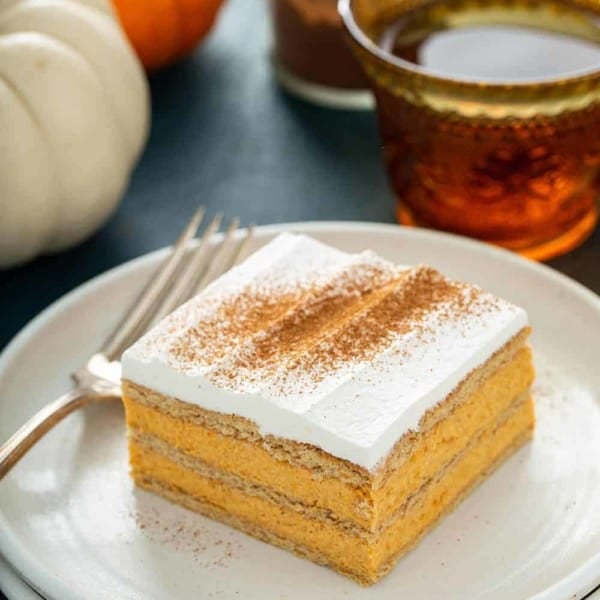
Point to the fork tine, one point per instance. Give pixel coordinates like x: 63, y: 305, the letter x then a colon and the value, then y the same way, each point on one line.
x: 141, y: 310
x: 195, y: 267
x: 220, y: 256
x: 243, y: 246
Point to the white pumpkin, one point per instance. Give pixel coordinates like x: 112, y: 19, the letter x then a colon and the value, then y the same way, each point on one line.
x: 74, y: 112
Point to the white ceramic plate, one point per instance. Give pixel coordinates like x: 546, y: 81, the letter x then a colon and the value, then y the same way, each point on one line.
x: 13, y: 587
x: 74, y: 526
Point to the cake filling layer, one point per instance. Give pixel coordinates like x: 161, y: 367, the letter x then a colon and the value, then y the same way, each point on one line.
x: 370, y: 530
x: 364, y: 557
x: 342, y: 352
x: 367, y: 504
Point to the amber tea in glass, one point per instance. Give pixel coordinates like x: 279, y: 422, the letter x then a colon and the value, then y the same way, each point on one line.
x: 489, y: 114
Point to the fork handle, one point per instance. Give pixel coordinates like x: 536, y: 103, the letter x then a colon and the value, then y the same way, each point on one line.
x: 45, y: 419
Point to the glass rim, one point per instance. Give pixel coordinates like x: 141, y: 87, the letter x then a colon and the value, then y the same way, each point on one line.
x: 356, y: 32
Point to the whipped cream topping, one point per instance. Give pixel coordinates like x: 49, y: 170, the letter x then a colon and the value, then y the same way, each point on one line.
x: 342, y: 351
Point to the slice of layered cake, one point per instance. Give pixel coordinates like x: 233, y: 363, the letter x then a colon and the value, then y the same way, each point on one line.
x: 332, y: 404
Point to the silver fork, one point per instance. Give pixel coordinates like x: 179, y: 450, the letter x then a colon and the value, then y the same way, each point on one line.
x: 186, y: 270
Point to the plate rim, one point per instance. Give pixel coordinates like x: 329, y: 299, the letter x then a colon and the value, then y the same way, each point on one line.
x: 304, y: 226
x: 16, y: 588
x: 579, y: 581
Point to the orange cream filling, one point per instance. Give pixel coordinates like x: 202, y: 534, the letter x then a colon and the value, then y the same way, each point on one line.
x: 366, y: 557
x: 368, y: 506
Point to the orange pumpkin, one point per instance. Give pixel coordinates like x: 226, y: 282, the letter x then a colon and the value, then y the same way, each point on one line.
x: 162, y: 31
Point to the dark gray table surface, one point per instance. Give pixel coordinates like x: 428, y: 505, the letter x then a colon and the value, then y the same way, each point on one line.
x: 223, y: 135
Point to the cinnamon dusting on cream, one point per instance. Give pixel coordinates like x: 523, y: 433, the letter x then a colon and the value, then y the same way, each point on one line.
x: 316, y: 327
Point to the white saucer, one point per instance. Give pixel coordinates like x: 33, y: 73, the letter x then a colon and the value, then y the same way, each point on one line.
x: 74, y: 526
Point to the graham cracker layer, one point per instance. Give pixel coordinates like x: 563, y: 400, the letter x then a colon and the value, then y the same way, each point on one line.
x: 143, y: 443
x: 365, y: 560
x: 321, y: 463
x: 367, y: 505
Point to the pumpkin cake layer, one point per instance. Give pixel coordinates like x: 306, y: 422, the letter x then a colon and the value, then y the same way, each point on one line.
x: 364, y: 555
x: 231, y: 445
x: 336, y: 405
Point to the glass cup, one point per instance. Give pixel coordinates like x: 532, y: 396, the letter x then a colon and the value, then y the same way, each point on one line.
x: 311, y: 55
x: 476, y: 140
